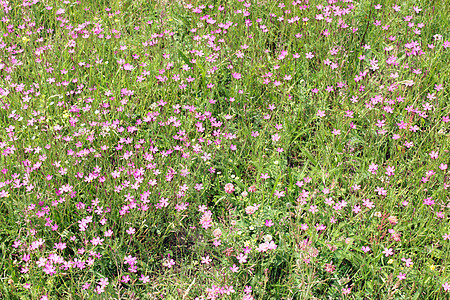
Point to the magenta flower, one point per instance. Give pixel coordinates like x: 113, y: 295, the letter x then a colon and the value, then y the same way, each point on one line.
x: 265, y: 176
x: 236, y: 76
x: 428, y: 201
x: 144, y: 279
x: 390, y: 171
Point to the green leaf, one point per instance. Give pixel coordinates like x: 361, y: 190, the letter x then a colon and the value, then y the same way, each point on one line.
x: 309, y: 156
x: 185, y: 59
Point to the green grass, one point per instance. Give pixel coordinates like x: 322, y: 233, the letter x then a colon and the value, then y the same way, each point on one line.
x: 123, y: 122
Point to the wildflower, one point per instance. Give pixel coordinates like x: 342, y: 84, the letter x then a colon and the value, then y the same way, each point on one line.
x: 408, y: 261
x: 266, y: 246
x: 131, y: 231
x: 428, y: 201
x: 390, y: 171
x: 206, y: 260
x: 242, y: 258
x: 103, y: 282
x: 336, y: 132
x: 279, y: 194
x: 393, y: 220
x: 356, y: 209
x: 144, y: 279
x: 237, y: 76
x: 234, y: 268
x: 313, y: 209
x: 309, y: 55
x: 330, y: 267
x: 168, y: 263
x: 434, y: 154
x: 265, y: 176
x: 217, y: 233
x: 251, y: 209
x: 229, y: 188
x: 387, y: 252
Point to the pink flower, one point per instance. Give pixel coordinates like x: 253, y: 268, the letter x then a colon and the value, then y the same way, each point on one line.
x: 266, y: 246
x: 434, y: 154
x: 206, y: 260
x: 346, y: 291
x: 408, y: 261
x: 373, y: 168
x: 390, y: 171
x: 330, y: 267
x: 144, y: 279
x: 237, y: 76
x: 168, y: 263
x: 251, y: 209
x: 388, y: 252
x: 234, y: 268
x: 365, y: 249
x: 217, y: 233
x: 242, y: 258
x: 103, y: 282
x: 428, y: 201
x: 265, y: 176
x: 229, y: 188
x: 401, y: 276
x: 279, y: 194
x: 336, y: 131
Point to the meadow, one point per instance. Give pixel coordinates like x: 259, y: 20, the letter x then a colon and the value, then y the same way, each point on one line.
x: 233, y: 149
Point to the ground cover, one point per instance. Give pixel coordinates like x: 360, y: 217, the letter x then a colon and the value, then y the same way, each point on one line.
x: 224, y: 149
